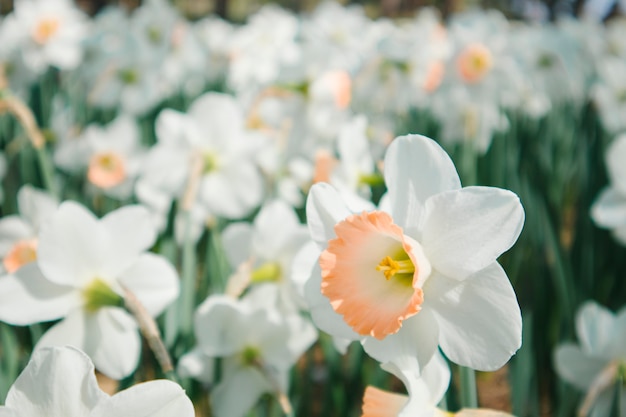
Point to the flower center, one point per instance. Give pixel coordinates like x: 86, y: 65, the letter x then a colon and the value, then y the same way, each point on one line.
x: 23, y: 252
x: 45, y: 29
x: 99, y: 294
x: 211, y: 162
x: 324, y: 164
x: 370, y: 246
x: 268, y: 272
x: 106, y: 169
x: 474, y: 62
x: 250, y: 356
x: 128, y: 76
x: 391, y: 267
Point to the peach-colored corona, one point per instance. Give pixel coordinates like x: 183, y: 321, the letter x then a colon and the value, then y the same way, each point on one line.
x: 45, y: 29
x: 474, y: 62
x: 371, y: 274
x: 106, y: 169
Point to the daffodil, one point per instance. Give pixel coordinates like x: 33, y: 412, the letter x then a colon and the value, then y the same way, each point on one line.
x: 595, y: 364
x: 84, y: 266
x: 60, y: 381
x: 423, y: 274
x: 258, y: 345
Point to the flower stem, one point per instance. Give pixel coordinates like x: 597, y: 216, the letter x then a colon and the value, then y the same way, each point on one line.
x: 469, y: 398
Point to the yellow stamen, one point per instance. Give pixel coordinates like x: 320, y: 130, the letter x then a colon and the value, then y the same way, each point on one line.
x: 268, y: 272
x: 99, y: 294
x: 391, y: 267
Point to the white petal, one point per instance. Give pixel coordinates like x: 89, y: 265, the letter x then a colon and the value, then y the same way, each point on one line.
x: 324, y: 209
x: 416, y: 168
x: 480, y: 324
x: 275, y: 226
x: 197, y: 365
x: 415, y: 342
x: 36, y: 206
x: 466, y: 230
x: 158, y: 398
x: 153, y: 280
x: 595, y: 327
x: 218, y: 323
x: 132, y: 232
x: 72, y: 246
x: 56, y: 382
x: 238, y: 392
x: 615, y: 163
x: 577, y: 367
x: 68, y: 332
x: 26, y: 297
x: 12, y: 230
x: 232, y: 192
x: 237, y: 242
x: 609, y: 210
x: 108, y: 330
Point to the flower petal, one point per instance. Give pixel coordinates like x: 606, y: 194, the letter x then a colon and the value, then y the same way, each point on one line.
x: 237, y: 242
x: 72, y: 245
x: 218, y: 323
x: 416, y: 168
x: 153, y: 280
x: 576, y: 367
x: 158, y: 398
x: 132, y: 231
x: 466, y: 230
x: 13, y: 229
x: 324, y: 209
x: 609, y: 210
x: 276, y: 227
x: 595, y: 327
x: 379, y: 403
x: 56, y: 382
x: 615, y: 163
x: 238, y: 392
x: 480, y: 324
x: 27, y: 297
x: 416, y: 342
x: 197, y: 365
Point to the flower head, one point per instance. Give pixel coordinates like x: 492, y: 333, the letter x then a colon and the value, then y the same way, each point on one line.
x: 422, y: 272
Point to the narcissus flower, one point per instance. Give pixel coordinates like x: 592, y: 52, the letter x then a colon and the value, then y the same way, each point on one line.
x: 595, y: 365
x: 84, y: 266
x: 61, y: 382
x: 423, y: 273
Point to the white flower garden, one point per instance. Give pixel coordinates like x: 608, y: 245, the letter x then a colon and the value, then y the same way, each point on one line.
x: 201, y: 217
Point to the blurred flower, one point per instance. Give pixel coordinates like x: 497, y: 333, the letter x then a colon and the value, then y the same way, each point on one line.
x: 410, y: 281
x: 609, y: 209
x: 258, y: 345
x: 83, y: 267
x: 45, y: 33
x: 109, y: 156
x: 595, y: 365
x: 262, y: 252
x: 61, y: 381
x: 212, y: 133
x: 19, y: 232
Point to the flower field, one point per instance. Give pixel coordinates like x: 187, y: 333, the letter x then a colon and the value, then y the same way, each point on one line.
x: 312, y: 214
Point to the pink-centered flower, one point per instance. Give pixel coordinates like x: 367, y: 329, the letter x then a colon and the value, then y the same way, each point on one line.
x: 420, y: 272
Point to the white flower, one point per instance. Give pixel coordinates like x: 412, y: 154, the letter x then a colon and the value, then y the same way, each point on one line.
x: 213, y: 131
x: 258, y: 344
x: 609, y: 210
x: 262, y: 252
x: 83, y: 267
x: 424, y: 276
x: 111, y: 156
x: 61, y: 382
x: 593, y: 365
x: 46, y: 33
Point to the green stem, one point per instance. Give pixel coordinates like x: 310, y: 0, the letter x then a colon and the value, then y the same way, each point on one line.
x: 188, y: 282
x: 469, y: 396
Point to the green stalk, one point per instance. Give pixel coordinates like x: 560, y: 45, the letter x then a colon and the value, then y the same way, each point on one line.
x: 469, y: 396
x: 188, y: 282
